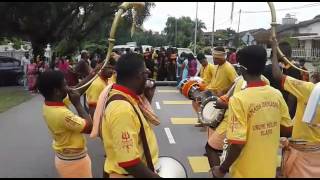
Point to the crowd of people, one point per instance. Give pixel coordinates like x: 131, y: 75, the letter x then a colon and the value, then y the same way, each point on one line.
x: 259, y: 111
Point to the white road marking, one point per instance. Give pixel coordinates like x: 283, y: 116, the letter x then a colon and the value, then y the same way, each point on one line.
x: 169, y: 135
x: 158, y: 105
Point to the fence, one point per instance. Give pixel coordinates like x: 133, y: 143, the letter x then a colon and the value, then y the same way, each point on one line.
x: 17, y: 54
x: 309, y: 54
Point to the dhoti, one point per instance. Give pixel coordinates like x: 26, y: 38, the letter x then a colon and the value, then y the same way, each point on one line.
x: 301, y: 161
x: 74, y: 168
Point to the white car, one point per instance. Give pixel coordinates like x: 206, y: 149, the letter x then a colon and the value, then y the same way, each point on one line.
x: 186, y: 50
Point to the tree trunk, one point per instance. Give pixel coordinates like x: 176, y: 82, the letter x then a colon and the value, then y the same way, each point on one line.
x: 38, y: 48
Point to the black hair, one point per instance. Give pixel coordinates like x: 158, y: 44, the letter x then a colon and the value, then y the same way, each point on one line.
x: 112, y: 62
x: 128, y: 65
x: 48, y: 81
x: 190, y: 56
x: 220, y: 48
x: 286, y: 49
x: 254, y: 58
x: 200, y: 57
x: 147, y: 49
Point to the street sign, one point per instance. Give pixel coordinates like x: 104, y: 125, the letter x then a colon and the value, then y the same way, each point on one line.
x: 247, y: 38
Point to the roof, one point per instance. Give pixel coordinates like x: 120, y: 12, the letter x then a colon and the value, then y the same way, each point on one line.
x: 317, y: 37
x: 284, y: 27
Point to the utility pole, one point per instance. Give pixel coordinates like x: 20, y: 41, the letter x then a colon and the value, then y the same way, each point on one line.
x: 214, y: 12
x: 238, y: 28
x: 195, y: 31
x: 175, y: 41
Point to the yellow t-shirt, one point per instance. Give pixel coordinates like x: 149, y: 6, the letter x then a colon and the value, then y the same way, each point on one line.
x: 222, y: 78
x: 206, y: 73
x: 121, y: 138
x: 64, y: 126
x: 302, y: 91
x: 67, y: 101
x: 114, y: 78
x: 254, y: 120
x: 94, y: 91
x: 240, y: 85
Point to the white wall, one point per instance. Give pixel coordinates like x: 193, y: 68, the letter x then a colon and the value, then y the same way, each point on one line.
x: 312, y: 28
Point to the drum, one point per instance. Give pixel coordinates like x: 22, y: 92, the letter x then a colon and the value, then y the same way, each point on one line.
x: 191, y: 87
x: 209, y: 115
x: 169, y: 167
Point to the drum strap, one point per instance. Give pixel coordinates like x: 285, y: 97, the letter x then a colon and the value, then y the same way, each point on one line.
x: 142, y: 131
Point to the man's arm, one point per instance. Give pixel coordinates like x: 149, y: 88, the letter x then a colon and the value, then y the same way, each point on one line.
x: 233, y: 153
x: 141, y: 171
x: 92, y: 110
x: 75, y: 99
x: 276, y: 71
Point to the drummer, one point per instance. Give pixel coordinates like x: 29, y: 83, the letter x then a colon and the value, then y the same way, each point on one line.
x: 255, y: 118
x: 303, y: 91
x: 223, y: 75
x: 206, y: 70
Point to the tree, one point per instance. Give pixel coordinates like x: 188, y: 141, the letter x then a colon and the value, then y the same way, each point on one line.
x: 62, y: 24
x: 185, y: 31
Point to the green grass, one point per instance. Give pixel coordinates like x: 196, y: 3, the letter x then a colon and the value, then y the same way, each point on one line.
x: 12, y: 96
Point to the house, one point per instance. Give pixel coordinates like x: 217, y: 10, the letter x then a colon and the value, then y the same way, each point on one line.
x: 305, y: 36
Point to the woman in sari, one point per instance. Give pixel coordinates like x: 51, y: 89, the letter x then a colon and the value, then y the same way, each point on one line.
x: 32, y: 73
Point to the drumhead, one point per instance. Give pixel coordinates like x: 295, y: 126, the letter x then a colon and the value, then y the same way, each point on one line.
x: 168, y: 167
x: 209, y: 112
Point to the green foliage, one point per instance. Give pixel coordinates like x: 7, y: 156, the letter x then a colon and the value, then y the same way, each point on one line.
x: 185, y: 31
x: 292, y: 41
x: 62, y: 24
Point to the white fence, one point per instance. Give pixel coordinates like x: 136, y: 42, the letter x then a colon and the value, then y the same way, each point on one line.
x: 14, y: 54
x: 306, y: 53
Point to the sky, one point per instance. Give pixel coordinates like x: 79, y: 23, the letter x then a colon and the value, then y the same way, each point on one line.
x: 162, y: 10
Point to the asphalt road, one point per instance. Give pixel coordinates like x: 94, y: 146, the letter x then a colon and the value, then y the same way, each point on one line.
x: 25, y: 149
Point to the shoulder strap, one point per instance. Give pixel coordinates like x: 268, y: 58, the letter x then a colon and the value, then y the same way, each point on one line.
x: 142, y: 131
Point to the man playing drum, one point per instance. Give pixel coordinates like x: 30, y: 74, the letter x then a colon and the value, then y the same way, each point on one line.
x: 206, y: 70
x: 223, y: 75
x: 222, y: 79
x: 256, y: 116
x: 307, y: 154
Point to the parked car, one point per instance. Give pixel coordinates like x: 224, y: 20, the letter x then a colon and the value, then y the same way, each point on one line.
x: 11, y: 71
x: 186, y: 50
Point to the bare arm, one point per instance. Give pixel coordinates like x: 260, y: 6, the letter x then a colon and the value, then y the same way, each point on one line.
x: 276, y: 71
x: 141, y: 171
x: 75, y: 99
x: 285, y: 131
x: 232, y: 155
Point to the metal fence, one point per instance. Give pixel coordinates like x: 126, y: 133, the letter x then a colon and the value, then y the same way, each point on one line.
x: 313, y: 53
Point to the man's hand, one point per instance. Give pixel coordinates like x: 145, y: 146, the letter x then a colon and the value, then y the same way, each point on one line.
x: 220, y: 104
x: 149, y: 90
x: 217, y: 173
x: 97, y: 68
x: 74, y: 97
x: 115, y: 56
